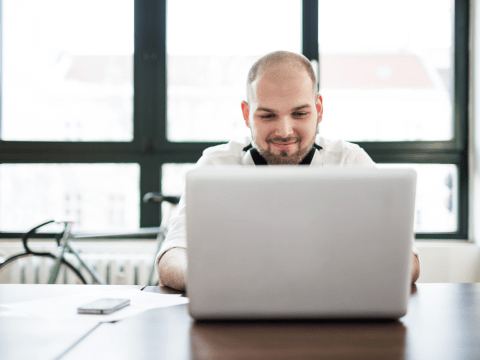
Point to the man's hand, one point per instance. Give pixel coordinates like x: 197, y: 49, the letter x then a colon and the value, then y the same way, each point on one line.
x: 415, y: 268
x: 172, y: 268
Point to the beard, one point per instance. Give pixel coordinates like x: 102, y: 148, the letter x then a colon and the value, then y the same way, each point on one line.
x: 283, y: 158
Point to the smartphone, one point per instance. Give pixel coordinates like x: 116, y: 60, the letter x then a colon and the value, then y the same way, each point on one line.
x: 103, y: 306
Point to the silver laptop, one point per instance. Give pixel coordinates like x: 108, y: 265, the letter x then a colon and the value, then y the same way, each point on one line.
x: 299, y: 242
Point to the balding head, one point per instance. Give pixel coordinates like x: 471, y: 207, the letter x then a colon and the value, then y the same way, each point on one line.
x: 279, y: 63
x: 283, y: 109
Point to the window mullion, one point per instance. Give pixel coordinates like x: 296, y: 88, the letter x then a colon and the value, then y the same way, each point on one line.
x: 150, y: 178
x: 461, y: 71
x: 150, y: 100
x: 146, y: 62
x: 310, y: 29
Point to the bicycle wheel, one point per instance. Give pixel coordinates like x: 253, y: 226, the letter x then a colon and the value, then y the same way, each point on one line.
x: 30, y: 268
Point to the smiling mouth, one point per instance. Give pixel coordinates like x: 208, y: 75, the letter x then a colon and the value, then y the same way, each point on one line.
x: 284, y: 145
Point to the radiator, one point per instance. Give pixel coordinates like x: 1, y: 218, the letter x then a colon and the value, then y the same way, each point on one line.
x: 115, y: 269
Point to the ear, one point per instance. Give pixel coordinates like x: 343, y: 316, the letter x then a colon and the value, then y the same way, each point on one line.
x: 246, y: 113
x: 319, y: 106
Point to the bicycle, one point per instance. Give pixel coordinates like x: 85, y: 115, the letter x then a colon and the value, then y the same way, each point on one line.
x: 61, y: 270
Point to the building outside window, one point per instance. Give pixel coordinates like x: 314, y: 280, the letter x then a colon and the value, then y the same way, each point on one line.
x: 93, y: 117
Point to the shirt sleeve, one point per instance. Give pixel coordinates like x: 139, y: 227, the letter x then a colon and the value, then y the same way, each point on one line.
x: 177, y: 227
x: 414, y: 249
x: 177, y: 231
x: 363, y: 159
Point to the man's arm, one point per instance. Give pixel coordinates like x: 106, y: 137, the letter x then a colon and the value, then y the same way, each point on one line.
x: 172, y: 268
x: 415, y: 268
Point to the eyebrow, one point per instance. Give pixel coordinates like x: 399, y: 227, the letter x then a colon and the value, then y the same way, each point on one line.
x: 294, y: 109
x: 301, y: 107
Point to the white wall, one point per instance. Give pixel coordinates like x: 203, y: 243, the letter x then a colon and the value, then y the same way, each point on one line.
x: 451, y: 261
x: 448, y: 262
x: 454, y: 262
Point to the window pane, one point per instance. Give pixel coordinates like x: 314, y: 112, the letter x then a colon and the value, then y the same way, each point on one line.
x: 67, y: 70
x: 211, y: 45
x: 437, y: 200
x: 386, y: 69
x: 173, y: 183
x: 173, y: 178
x: 98, y: 197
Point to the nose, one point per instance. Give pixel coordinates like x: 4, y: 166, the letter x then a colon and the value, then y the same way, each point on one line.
x: 285, y: 127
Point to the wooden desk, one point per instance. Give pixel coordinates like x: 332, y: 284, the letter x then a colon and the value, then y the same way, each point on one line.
x: 443, y: 322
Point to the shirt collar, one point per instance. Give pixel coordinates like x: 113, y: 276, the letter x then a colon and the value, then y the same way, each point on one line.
x: 258, y: 159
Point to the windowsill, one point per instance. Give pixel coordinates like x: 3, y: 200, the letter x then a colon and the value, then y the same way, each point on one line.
x: 445, y: 243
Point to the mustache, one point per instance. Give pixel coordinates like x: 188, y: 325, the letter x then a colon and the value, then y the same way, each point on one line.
x: 284, y: 140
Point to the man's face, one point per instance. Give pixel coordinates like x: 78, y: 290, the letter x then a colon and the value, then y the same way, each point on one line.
x: 283, y: 114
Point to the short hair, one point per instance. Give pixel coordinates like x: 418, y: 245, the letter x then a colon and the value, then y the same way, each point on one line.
x: 276, y: 58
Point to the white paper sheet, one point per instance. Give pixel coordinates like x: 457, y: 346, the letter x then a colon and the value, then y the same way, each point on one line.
x: 64, y: 308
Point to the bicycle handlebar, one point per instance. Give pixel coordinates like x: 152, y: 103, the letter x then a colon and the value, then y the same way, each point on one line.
x: 33, y: 231
x: 159, y: 198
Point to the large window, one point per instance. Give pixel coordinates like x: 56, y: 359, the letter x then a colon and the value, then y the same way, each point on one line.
x: 391, y: 78
x: 207, y: 67
x: 66, y: 76
x: 105, y: 100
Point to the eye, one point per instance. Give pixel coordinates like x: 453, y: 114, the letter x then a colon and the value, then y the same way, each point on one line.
x: 267, y: 117
x: 299, y: 114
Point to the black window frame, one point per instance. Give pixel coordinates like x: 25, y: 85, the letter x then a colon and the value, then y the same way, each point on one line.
x: 151, y: 149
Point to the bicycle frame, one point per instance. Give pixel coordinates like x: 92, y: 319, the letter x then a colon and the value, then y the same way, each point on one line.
x: 64, y: 246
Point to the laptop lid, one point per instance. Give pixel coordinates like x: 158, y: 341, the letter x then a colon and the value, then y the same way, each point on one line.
x: 299, y: 242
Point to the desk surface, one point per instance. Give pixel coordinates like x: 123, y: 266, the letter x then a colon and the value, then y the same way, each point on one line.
x: 35, y: 338
x: 443, y: 322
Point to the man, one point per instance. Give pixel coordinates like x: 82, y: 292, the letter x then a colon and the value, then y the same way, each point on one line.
x: 283, y: 112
